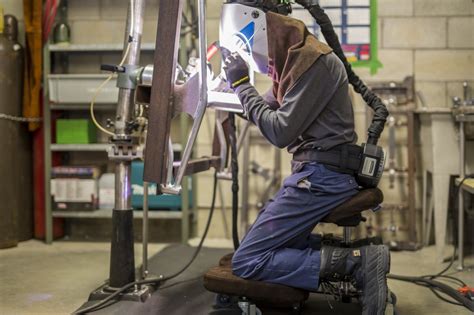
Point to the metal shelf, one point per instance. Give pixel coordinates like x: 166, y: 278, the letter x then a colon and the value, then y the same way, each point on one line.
x: 82, y: 106
x: 104, y: 103
x: 107, y: 214
x: 94, y: 47
x: 92, y: 147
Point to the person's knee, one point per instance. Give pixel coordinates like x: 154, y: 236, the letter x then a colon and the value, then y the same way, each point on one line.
x: 245, y: 264
x: 239, y: 260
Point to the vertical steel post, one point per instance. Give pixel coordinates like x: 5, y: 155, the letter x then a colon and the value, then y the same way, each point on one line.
x: 462, y: 174
x: 48, y: 215
x: 202, y: 93
x: 122, y: 262
x: 244, y: 217
x: 412, y: 224
x: 145, y: 232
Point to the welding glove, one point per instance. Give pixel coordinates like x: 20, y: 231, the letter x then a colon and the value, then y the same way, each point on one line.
x: 236, y: 70
x: 307, y: 3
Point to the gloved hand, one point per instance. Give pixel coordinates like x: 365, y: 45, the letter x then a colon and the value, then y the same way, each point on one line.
x: 236, y: 70
x: 307, y: 3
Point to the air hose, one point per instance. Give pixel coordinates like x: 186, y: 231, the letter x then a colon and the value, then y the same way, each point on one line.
x: 372, y: 100
x: 234, y: 164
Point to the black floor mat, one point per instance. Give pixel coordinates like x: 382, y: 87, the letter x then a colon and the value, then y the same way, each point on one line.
x: 189, y: 297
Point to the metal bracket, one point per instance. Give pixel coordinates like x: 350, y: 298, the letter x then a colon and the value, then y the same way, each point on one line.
x: 125, y: 152
x: 129, y: 78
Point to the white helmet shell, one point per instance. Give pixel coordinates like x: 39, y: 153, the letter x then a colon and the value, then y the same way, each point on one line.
x: 243, y: 29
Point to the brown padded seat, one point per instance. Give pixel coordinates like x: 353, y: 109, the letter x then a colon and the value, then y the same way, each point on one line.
x: 350, y: 210
x: 220, y: 279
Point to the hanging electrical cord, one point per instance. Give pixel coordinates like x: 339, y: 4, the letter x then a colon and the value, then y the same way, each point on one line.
x: 160, y: 279
x: 101, y: 86
x: 372, y: 100
x: 234, y: 165
x: 49, y: 15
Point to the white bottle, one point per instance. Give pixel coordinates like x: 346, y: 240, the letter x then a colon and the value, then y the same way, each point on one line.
x: 107, y: 191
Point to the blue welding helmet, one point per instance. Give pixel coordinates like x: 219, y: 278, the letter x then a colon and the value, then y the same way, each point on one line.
x: 243, y: 29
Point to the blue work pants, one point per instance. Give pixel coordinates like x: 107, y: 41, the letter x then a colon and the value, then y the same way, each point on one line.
x: 277, y: 248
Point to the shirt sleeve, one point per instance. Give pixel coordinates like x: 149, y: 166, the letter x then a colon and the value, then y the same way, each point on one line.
x: 301, y: 105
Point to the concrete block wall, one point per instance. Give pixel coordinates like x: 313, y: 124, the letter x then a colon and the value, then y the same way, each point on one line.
x: 432, y: 40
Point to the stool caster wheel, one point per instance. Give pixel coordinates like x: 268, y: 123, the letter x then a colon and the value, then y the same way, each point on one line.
x: 249, y: 308
x: 223, y: 301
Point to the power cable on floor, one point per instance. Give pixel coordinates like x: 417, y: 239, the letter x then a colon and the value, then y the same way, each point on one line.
x: 160, y: 279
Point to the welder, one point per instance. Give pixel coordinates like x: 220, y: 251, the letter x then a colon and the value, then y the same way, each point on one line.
x: 308, y: 111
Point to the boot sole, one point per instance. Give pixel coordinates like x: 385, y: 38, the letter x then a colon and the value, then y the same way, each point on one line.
x: 376, y: 263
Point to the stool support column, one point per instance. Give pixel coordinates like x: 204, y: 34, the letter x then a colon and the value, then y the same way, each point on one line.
x: 347, y: 235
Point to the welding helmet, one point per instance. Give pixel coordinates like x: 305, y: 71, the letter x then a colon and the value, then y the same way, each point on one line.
x: 243, y: 29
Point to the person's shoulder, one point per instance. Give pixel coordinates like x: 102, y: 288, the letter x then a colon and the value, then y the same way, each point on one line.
x: 334, y: 66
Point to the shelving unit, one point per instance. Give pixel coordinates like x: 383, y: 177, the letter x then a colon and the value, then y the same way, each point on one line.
x: 107, y: 213
x: 185, y: 215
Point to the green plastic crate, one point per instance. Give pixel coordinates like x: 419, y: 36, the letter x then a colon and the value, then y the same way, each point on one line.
x: 75, y: 131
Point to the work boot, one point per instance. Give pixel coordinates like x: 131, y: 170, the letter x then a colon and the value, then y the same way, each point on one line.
x: 365, y: 267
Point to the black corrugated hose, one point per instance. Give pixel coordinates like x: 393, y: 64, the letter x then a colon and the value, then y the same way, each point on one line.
x: 234, y: 164
x: 374, y: 102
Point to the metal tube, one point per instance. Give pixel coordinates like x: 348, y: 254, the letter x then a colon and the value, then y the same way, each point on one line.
x: 242, y: 135
x: 347, y: 235
x: 125, y: 102
x: 412, y: 226
x: 169, y: 175
x: 244, y: 218
x: 145, y: 232
x: 122, y: 186
x: 201, y: 109
x: 125, y: 99
x: 122, y: 259
x: 47, y: 152
x: 462, y: 174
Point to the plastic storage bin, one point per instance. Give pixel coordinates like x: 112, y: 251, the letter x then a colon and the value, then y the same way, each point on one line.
x: 107, y: 191
x: 162, y: 202
x: 75, y: 131
x: 80, y: 88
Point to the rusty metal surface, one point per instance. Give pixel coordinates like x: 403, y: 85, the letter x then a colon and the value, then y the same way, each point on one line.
x: 161, y: 109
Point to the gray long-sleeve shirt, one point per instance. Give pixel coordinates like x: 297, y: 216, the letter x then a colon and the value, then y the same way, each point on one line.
x: 316, y: 113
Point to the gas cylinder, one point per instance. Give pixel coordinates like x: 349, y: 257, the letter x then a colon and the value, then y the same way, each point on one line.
x: 15, y: 142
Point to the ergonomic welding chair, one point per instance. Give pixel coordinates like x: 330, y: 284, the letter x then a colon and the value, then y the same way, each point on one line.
x: 233, y: 291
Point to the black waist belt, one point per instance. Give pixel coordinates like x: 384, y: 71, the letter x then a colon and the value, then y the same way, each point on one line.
x: 344, y: 158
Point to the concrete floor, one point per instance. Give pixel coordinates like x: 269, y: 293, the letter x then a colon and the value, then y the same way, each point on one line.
x: 55, y: 279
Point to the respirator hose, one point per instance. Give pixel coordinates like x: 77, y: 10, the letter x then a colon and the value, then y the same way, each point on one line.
x: 234, y: 165
x: 380, y: 110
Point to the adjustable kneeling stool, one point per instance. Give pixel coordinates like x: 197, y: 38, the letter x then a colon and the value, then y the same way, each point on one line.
x: 247, y: 294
